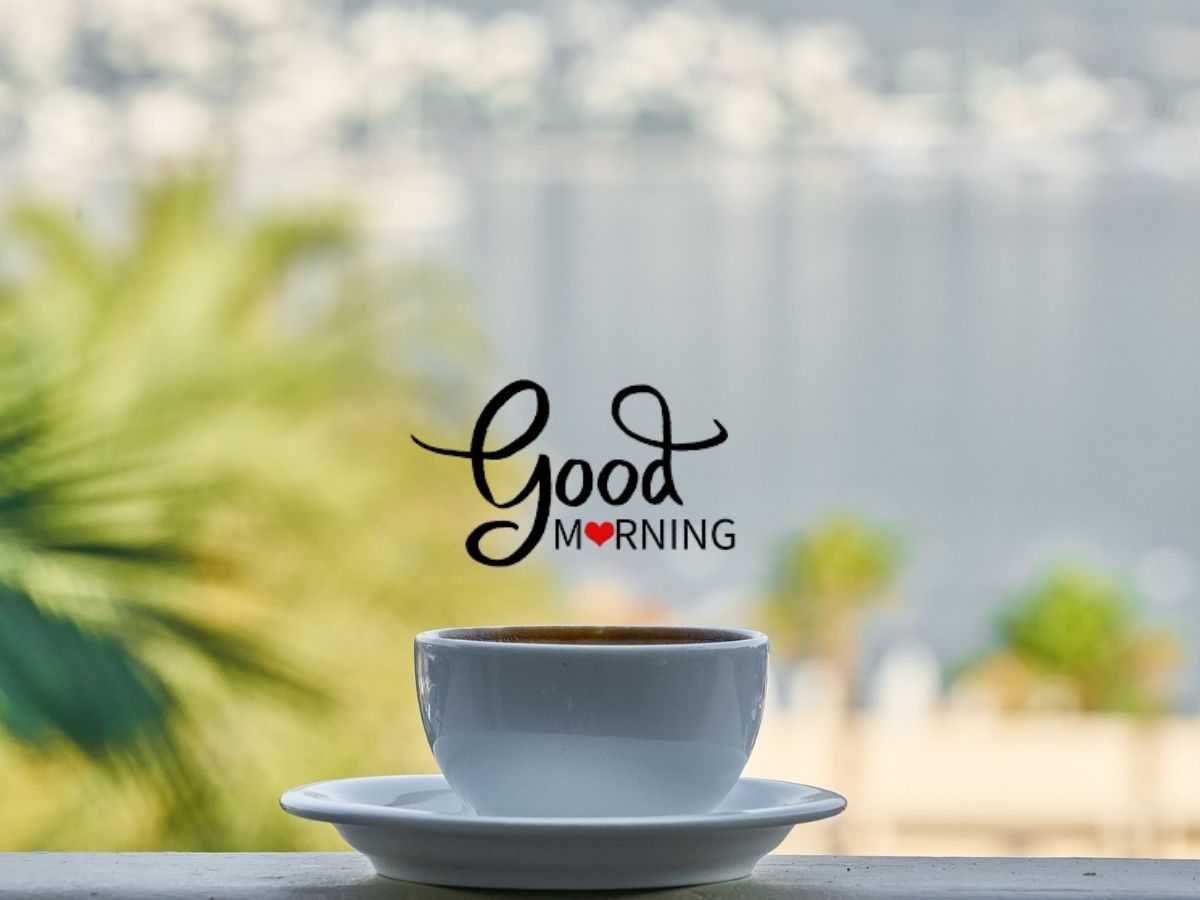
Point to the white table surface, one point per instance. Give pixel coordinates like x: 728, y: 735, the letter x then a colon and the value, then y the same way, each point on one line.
x: 346, y: 876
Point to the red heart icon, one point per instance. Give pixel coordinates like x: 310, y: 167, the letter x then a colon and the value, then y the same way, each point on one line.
x: 599, y: 532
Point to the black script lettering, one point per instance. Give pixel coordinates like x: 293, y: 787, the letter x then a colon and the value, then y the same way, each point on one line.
x: 585, y: 482
x: 616, y: 482
x: 539, y: 478
x: 605, y: 486
x: 663, y: 464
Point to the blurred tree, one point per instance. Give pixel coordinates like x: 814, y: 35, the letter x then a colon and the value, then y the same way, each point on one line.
x: 204, y: 487
x: 823, y: 581
x: 1073, y: 641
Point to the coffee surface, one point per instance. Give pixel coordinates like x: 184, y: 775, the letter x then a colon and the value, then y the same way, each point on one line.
x: 624, y: 635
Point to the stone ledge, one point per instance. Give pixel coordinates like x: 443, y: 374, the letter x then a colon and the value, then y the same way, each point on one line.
x: 347, y: 876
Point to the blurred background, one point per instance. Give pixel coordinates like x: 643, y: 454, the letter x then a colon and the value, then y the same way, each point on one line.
x: 933, y: 266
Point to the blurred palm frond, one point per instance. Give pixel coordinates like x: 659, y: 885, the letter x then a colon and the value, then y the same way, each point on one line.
x: 138, y: 386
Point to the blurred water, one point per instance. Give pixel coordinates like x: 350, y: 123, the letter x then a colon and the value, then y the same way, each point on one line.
x: 1002, y: 368
x: 951, y: 284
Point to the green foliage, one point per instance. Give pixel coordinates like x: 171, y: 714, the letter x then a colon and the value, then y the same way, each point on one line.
x: 1077, y: 631
x: 1075, y: 621
x: 111, y: 367
x: 215, y: 537
x: 823, y: 579
x: 57, y: 679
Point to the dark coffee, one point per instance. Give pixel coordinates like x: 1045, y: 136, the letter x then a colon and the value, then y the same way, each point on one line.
x: 624, y: 635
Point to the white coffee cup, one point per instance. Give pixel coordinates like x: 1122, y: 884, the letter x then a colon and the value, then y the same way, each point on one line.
x: 570, y: 721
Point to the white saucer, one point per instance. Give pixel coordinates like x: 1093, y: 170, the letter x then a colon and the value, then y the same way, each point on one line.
x: 414, y: 827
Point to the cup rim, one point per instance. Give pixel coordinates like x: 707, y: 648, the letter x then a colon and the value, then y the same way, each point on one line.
x: 729, y: 638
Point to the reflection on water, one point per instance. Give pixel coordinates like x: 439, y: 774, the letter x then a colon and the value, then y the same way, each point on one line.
x: 1005, y: 368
